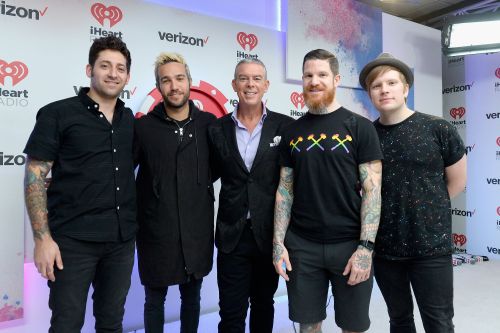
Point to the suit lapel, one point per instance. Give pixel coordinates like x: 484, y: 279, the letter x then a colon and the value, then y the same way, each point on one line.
x: 266, y: 137
x: 230, y: 134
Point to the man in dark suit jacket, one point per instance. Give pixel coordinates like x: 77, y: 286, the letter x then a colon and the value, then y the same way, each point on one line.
x: 245, y: 156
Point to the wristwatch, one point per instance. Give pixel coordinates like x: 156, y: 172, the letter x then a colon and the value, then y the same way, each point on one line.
x: 367, y: 244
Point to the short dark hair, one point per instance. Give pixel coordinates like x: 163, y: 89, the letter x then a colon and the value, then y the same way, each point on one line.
x: 320, y: 54
x: 109, y: 43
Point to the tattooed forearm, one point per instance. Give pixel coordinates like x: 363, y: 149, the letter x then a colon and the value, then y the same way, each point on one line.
x: 371, y: 181
x: 36, y: 197
x: 282, y: 209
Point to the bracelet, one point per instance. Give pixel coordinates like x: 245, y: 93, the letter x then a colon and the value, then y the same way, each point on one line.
x: 367, y: 244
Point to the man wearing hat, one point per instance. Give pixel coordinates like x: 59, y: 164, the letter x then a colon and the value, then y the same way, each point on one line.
x: 424, y: 165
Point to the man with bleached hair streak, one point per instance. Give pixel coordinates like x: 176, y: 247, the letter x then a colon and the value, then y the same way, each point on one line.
x: 175, y: 197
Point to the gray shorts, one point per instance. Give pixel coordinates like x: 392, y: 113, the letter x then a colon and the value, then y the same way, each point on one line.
x: 314, y: 266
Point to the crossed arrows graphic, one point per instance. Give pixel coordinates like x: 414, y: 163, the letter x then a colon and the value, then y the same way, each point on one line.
x: 316, y: 142
x: 294, y: 144
x: 341, y: 142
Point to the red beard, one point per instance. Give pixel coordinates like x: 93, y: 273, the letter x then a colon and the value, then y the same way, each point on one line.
x: 316, y: 102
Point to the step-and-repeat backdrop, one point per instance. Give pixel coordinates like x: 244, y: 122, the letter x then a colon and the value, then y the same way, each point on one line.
x: 45, y: 50
x: 471, y: 96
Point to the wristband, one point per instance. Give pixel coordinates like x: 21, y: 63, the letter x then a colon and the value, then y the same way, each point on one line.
x: 367, y: 244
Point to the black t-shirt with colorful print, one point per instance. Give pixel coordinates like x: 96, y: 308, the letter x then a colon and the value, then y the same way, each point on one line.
x: 325, y: 152
x: 415, y: 218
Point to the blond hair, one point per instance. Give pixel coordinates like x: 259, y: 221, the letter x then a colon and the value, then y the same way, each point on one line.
x: 168, y: 57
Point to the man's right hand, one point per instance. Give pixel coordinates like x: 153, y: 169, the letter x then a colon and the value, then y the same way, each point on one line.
x: 280, y: 256
x: 46, y: 253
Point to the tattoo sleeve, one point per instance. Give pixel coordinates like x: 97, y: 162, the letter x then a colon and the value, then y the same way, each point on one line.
x: 35, y: 195
x: 370, y: 175
x: 282, y: 209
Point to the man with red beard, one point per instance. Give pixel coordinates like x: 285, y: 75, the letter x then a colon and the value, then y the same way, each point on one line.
x: 327, y: 204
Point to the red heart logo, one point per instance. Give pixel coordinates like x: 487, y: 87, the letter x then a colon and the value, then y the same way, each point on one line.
x: 16, y: 70
x: 101, y: 12
x: 457, y: 112
x: 297, y: 99
x: 497, y: 72
x: 459, y: 239
x: 243, y: 39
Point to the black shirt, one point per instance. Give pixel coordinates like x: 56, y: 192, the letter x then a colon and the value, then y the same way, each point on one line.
x: 415, y: 219
x: 92, y: 193
x: 325, y: 152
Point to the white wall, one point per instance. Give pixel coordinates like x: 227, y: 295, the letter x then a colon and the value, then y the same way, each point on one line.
x: 261, y: 13
x: 420, y: 47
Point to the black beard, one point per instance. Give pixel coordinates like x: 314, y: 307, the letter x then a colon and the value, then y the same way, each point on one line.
x: 179, y: 105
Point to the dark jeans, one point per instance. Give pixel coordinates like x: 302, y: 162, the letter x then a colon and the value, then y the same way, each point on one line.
x: 108, y: 267
x: 246, y: 273
x: 154, y: 307
x: 432, y: 282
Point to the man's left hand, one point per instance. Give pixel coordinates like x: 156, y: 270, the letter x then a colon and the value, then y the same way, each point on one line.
x: 359, y: 266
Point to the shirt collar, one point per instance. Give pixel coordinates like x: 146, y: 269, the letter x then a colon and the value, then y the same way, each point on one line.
x: 234, y: 115
x: 92, y: 105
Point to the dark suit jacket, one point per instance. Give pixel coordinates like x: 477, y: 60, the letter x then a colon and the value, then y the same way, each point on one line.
x: 243, y: 190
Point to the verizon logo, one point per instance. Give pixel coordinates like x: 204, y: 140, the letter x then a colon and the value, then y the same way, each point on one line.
x: 22, y: 12
x: 183, y: 39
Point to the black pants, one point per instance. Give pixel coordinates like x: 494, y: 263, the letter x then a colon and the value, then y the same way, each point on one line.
x: 246, y: 273
x: 154, y: 307
x: 108, y: 267
x: 432, y: 282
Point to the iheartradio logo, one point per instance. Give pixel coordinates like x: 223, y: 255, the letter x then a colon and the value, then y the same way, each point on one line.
x: 101, y: 12
x: 16, y: 70
x: 498, y: 141
x: 297, y: 99
x: 243, y: 39
x: 459, y: 239
x: 497, y: 72
x: 457, y: 112
x: 498, y: 210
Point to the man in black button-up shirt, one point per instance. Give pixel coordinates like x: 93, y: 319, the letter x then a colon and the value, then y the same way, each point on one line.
x: 84, y: 224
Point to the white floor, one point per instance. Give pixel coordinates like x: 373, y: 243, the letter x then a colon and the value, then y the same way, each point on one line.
x: 477, y: 306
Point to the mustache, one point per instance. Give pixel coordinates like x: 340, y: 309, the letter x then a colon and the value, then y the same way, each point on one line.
x: 175, y: 92
x: 312, y: 87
